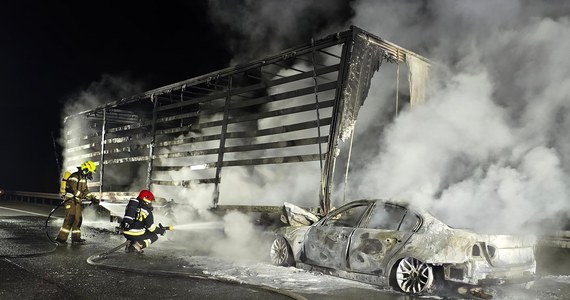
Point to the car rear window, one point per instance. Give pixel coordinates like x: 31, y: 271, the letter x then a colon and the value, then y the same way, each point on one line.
x: 410, y: 221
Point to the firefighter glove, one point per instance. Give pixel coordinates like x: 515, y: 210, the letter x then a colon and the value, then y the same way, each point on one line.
x: 165, y: 227
x: 160, y: 230
x: 125, y: 225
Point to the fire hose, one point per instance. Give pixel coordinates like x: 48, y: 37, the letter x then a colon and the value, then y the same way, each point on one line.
x: 49, y: 216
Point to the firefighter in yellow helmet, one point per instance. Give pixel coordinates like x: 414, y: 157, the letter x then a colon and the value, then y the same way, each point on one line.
x: 138, y: 223
x: 76, y: 190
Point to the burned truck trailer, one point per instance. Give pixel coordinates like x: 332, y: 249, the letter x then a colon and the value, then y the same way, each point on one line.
x: 232, y: 135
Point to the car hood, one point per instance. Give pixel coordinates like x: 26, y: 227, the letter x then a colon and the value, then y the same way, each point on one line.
x: 295, y: 216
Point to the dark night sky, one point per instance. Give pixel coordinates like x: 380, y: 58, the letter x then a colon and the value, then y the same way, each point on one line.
x: 51, y: 50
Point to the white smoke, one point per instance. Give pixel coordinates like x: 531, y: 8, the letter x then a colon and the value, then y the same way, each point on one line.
x: 243, y: 241
x: 489, y: 149
x: 109, y: 88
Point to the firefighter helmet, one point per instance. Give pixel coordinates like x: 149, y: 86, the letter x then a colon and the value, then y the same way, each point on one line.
x: 146, y: 195
x: 88, y: 166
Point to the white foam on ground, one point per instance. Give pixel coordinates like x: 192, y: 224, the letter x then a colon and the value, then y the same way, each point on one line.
x: 560, y: 278
x: 288, y: 278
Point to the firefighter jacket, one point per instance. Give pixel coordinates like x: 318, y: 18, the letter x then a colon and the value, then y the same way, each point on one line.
x: 77, y: 187
x: 139, y: 218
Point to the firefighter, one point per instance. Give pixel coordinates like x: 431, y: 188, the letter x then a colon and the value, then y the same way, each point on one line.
x: 76, y: 190
x: 138, y: 223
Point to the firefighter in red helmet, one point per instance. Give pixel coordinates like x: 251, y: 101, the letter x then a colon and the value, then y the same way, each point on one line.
x: 75, y: 191
x: 138, y: 223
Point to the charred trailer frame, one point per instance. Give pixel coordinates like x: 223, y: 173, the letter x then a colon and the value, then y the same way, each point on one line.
x: 291, y: 108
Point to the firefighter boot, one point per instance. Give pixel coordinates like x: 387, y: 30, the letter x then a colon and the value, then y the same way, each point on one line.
x: 128, y: 247
x: 63, y: 235
x: 136, y: 247
x: 60, y: 242
x: 78, y: 241
x: 76, y: 236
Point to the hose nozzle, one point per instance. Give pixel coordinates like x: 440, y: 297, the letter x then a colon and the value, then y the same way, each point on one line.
x: 170, y: 227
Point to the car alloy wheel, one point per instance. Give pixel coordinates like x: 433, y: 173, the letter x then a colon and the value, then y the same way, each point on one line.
x: 413, y: 276
x: 280, y: 253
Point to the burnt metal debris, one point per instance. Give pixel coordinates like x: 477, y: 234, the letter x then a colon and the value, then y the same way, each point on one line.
x: 311, y: 94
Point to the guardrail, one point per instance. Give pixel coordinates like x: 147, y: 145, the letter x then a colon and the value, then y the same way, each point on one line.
x: 31, y: 197
x: 54, y: 199
x: 560, y: 239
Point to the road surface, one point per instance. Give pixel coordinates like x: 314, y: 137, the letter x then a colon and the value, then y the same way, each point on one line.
x: 32, y: 267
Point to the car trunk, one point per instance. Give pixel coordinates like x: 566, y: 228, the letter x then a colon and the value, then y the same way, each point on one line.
x: 508, y: 251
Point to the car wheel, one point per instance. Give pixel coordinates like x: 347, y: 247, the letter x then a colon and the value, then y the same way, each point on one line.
x: 413, y: 276
x: 281, y: 254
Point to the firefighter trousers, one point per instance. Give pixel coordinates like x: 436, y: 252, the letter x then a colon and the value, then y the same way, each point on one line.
x: 145, y: 239
x: 72, y: 221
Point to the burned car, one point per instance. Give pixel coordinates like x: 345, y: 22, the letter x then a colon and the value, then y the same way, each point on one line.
x: 408, y: 249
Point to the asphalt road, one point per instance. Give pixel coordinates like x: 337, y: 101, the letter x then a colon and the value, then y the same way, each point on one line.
x: 31, y: 267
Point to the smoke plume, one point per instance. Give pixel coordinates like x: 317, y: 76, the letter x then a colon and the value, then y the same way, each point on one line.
x: 490, y: 148
x: 109, y: 88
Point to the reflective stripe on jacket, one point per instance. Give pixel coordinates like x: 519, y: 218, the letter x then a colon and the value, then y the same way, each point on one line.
x: 141, y: 217
x: 77, y: 186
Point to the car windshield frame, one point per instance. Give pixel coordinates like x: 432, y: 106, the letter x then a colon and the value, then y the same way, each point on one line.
x: 368, y: 204
x: 367, y: 213
x: 366, y: 219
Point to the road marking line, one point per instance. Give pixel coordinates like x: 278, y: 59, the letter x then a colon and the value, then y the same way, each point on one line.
x: 28, y: 212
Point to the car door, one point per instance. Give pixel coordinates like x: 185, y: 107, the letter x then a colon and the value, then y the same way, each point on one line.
x: 384, y: 232
x: 326, y: 242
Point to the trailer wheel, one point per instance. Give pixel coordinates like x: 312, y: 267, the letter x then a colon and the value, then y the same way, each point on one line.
x: 281, y: 254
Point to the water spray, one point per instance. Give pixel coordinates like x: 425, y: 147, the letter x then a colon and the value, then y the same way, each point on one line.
x: 197, y: 226
x: 114, y: 208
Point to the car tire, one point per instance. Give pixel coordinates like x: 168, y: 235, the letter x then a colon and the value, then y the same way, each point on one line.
x: 411, y: 275
x: 281, y: 254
